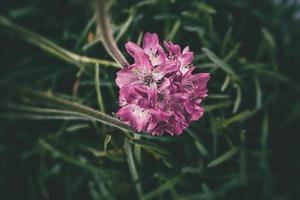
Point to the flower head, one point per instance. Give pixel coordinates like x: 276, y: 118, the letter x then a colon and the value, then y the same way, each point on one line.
x: 158, y: 92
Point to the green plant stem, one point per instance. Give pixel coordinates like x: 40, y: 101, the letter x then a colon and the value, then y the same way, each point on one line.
x: 98, y: 89
x: 51, y: 47
x: 80, y: 109
x: 104, y: 28
x: 42, y: 143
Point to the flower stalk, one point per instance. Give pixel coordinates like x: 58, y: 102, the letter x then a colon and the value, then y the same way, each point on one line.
x: 50, y: 47
x: 104, y: 28
x: 81, y: 110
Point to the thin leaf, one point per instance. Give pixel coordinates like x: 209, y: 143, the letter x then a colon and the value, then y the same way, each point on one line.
x: 225, y: 83
x: 174, y: 30
x: 232, y: 53
x: 220, y: 63
x: 98, y: 89
x: 238, y: 117
x: 132, y: 168
x: 258, y: 93
x: 223, y: 158
x: 163, y: 188
x: 217, y: 106
x: 238, y: 99
x: 205, y: 8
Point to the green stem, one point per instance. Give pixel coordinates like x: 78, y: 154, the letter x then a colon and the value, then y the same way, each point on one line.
x: 71, y: 160
x: 83, y: 110
x: 51, y: 47
x: 104, y: 27
x: 98, y: 89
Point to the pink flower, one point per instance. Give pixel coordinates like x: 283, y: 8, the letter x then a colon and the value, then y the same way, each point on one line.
x: 158, y: 92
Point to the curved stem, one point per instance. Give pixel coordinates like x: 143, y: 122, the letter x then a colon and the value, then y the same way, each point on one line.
x: 50, y: 47
x: 104, y: 27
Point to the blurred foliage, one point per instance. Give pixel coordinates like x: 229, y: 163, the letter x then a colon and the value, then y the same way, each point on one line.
x: 245, y: 147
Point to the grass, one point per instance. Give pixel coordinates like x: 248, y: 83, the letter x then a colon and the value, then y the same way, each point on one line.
x: 60, y: 139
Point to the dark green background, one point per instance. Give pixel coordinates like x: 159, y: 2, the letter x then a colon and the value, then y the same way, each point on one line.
x: 50, y: 159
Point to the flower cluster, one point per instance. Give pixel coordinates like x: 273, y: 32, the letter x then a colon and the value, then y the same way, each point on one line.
x: 158, y: 92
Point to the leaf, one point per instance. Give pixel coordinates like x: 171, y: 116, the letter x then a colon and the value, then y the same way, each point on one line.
x: 98, y: 89
x: 220, y: 63
x: 198, y: 143
x: 210, y: 108
x: 238, y: 117
x: 174, y: 30
x: 226, y: 40
x: 269, y: 38
x: 162, y: 188
x: 205, y: 8
x: 225, y: 84
x: 223, y: 158
x: 233, y: 52
x: 106, y: 141
x: 80, y: 110
x: 77, y: 127
x: 238, y: 99
x: 258, y: 93
x: 132, y: 168
x: 152, y: 146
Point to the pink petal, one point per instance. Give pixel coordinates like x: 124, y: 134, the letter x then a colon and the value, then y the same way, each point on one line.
x: 176, y: 125
x: 140, y: 58
x: 186, y: 50
x: 196, y: 84
x: 150, y: 41
x: 158, y: 118
x: 125, y: 76
x: 158, y: 93
x: 135, y: 116
x: 186, y: 59
x: 153, y: 49
x: 149, y: 94
x: 194, y: 110
x: 138, y: 94
x: 128, y: 95
x: 160, y: 71
x: 164, y: 85
x: 172, y: 48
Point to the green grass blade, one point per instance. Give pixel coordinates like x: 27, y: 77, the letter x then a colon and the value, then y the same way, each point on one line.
x: 133, y: 169
x: 236, y: 118
x: 220, y: 63
x: 223, y: 158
